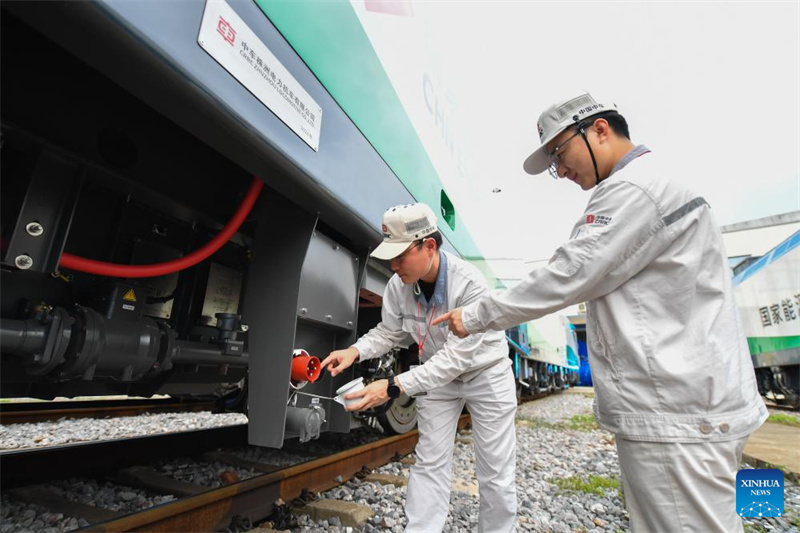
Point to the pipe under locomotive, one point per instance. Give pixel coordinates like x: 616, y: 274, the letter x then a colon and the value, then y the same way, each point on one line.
x: 125, y: 145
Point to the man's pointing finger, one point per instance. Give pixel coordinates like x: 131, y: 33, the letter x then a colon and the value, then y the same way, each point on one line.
x: 443, y: 318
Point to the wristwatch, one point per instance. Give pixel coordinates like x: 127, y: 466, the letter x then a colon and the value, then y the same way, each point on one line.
x: 392, y: 390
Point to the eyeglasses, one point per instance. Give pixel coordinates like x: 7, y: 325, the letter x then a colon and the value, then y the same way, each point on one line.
x: 555, y: 155
x: 402, y: 256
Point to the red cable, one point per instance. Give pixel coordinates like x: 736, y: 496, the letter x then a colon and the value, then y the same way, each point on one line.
x: 116, y: 270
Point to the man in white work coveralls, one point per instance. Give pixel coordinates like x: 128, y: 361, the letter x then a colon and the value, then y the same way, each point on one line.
x: 453, y: 372
x: 672, y: 372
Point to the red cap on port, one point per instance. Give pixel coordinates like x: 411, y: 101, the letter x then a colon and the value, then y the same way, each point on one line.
x: 305, y: 367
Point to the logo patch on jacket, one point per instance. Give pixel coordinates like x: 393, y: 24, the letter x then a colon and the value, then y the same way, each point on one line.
x: 598, y: 219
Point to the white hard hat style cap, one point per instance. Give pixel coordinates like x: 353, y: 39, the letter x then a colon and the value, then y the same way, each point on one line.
x: 402, y: 225
x: 556, y: 119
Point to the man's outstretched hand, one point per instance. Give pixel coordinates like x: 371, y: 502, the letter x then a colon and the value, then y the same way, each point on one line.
x: 340, y: 360
x: 455, y: 324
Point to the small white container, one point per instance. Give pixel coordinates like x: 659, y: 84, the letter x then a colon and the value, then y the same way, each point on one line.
x: 349, y: 388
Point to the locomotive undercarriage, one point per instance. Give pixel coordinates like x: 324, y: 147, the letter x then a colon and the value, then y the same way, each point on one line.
x: 780, y: 384
x: 89, y: 169
x: 97, y: 173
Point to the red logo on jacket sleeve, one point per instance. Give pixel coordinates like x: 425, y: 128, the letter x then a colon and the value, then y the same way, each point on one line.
x: 590, y: 219
x: 226, y: 30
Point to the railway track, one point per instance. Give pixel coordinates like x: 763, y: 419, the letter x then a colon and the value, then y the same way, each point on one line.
x: 24, y: 476
x: 531, y: 397
x: 18, y: 413
x: 781, y: 407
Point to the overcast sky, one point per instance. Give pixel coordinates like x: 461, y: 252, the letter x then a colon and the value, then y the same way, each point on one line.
x: 714, y: 88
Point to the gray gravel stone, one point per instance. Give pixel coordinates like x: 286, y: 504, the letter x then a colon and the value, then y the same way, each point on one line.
x: 548, y: 455
x: 64, y: 431
x: 15, y: 515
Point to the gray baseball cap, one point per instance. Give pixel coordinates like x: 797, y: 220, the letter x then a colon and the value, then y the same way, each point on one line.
x: 556, y: 119
x: 402, y: 225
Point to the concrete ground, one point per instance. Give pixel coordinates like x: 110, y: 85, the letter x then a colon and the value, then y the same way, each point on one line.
x: 775, y: 445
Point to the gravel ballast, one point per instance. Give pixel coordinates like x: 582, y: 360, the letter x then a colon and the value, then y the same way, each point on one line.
x: 19, y: 516
x: 567, y: 474
x: 70, y: 431
x: 567, y: 480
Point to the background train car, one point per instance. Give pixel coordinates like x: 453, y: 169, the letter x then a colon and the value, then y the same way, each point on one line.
x: 768, y: 295
x: 545, y: 353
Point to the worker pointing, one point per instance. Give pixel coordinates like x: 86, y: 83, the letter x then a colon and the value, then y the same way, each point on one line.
x: 671, y: 367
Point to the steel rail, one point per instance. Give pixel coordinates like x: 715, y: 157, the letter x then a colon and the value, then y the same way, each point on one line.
x: 46, y: 412
x: 254, y: 498
x: 781, y: 406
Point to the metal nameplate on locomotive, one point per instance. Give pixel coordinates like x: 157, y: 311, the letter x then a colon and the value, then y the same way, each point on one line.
x: 232, y: 44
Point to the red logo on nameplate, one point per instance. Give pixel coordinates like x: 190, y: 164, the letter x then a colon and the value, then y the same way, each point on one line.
x: 590, y: 219
x: 226, y: 30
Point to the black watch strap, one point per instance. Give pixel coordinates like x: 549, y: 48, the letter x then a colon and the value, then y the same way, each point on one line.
x: 393, y: 391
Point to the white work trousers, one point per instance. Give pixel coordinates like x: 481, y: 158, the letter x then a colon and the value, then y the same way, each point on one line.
x: 681, y: 487
x: 492, y: 403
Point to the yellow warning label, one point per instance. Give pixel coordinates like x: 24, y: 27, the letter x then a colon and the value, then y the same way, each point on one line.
x: 130, y: 296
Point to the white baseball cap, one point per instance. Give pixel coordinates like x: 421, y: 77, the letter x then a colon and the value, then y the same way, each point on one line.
x: 556, y: 119
x: 402, y: 225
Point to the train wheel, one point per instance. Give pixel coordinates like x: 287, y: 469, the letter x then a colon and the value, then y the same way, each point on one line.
x: 232, y: 398
x: 401, y: 417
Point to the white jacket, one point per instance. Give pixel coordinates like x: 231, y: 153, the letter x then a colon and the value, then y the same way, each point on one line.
x: 445, y: 357
x: 668, y: 355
